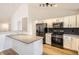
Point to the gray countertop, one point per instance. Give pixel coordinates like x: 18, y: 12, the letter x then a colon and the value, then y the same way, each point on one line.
x: 25, y: 38
x: 71, y: 35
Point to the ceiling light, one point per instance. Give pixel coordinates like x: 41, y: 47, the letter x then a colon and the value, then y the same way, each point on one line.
x: 48, y: 5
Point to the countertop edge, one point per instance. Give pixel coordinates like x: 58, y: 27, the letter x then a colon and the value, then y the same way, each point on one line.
x: 23, y: 41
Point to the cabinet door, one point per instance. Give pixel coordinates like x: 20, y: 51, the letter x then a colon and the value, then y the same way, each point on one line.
x: 74, y: 44
x: 72, y: 21
x: 66, y: 22
x: 78, y: 46
x: 67, y: 42
x: 78, y: 21
x: 48, y: 38
x: 60, y: 19
x: 2, y: 39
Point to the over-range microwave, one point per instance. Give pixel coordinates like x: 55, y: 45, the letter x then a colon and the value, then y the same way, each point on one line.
x: 58, y: 25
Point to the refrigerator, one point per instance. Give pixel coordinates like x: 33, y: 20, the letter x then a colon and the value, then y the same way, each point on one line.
x: 41, y: 29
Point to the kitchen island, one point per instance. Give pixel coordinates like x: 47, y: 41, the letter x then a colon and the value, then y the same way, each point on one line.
x: 25, y: 44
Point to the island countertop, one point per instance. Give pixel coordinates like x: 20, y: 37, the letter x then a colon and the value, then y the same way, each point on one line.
x: 25, y: 38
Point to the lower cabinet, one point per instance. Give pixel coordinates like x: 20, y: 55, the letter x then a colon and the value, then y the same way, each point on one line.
x: 71, y: 42
x: 74, y: 43
x: 67, y: 42
x: 48, y: 38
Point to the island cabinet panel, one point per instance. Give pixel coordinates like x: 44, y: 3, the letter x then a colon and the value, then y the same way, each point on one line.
x: 25, y: 47
x: 22, y: 48
x: 2, y: 39
x: 34, y: 48
x: 8, y: 43
x: 38, y: 48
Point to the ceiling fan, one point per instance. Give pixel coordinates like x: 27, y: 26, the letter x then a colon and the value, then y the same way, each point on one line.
x: 48, y: 5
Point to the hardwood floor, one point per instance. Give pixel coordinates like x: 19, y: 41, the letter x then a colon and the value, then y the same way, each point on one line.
x: 47, y: 50
x: 50, y: 50
x: 8, y: 52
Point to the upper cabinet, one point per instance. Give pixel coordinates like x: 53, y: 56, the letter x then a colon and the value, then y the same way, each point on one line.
x: 56, y: 20
x: 77, y: 21
x: 49, y: 23
x: 60, y: 19
x: 66, y: 22
x: 70, y: 22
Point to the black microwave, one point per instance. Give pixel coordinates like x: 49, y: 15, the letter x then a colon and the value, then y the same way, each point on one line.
x: 58, y: 25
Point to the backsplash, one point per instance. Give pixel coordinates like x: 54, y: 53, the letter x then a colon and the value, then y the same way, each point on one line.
x: 74, y: 31
x: 50, y: 30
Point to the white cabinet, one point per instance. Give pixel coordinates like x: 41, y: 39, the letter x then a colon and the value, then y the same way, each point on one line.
x: 71, y: 42
x: 78, y: 46
x: 74, y: 43
x: 60, y: 19
x: 3, y: 40
x: 70, y: 21
x: 67, y: 42
x: 77, y: 21
x: 66, y: 21
x: 49, y: 22
x: 48, y: 38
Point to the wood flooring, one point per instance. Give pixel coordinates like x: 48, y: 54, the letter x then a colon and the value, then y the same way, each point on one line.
x: 51, y: 50
x: 8, y: 52
x: 47, y: 50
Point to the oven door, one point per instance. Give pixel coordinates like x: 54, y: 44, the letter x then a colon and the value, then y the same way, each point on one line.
x: 58, y: 42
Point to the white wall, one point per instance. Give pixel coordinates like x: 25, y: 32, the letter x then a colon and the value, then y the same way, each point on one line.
x: 20, y: 13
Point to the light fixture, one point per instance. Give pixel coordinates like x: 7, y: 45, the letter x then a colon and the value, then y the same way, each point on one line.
x: 48, y: 5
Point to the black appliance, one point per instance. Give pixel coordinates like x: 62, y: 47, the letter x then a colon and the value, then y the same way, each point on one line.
x: 58, y: 25
x: 41, y: 29
x: 57, y: 36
